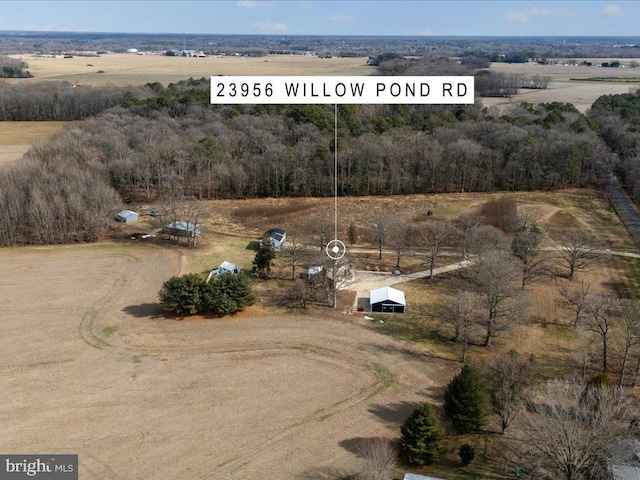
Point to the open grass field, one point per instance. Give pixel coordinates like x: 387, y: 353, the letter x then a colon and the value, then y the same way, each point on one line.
x: 128, y: 69
x: 17, y: 137
x: 561, y: 88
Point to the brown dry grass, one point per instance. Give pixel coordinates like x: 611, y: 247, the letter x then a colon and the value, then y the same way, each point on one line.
x: 16, y: 138
x: 126, y: 69
x: 89, y: 365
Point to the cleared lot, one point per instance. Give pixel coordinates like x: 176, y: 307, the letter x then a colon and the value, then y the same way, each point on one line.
x: 87, y: 368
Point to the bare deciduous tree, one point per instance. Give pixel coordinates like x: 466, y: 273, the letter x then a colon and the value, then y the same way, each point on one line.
x: 399, y: 238
x: 293, y: 251
x: 575, y: 300
x: 465, y: 223
x: 509, y: 378
x: 461, y: 313
x: 433, y: 235
x: 486, y: 238
x: 380, y: 232
x: 526, y: 248
x: 577, y: 248
x: 629, y: 334
x: 569, y: 435
x: 322, y: 228
x: 601, y: 310
x: 495, y: 275
x: 380, y: 456
x: 298, y: 295
x: 584, y: 354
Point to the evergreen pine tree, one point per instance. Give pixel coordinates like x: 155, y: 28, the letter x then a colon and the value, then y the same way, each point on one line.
x: 227, y: 294
x: 264, y: 257
x: 182, y: 295
x: 422, y: 435
x: 466, y: 402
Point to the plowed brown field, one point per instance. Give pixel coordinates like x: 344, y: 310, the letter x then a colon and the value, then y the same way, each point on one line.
x: 87, y: 366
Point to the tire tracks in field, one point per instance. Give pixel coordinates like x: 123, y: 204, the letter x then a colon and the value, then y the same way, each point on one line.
x: 250, y: 454
x: 85, y: 328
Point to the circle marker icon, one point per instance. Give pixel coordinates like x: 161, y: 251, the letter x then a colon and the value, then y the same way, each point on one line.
x: 335, y: 249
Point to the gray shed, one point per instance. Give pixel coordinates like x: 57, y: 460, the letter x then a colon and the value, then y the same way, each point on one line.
x: 127, y: 216
x: 183, y: 229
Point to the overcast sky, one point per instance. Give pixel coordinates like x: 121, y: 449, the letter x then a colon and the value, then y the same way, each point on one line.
x: 327, y: 17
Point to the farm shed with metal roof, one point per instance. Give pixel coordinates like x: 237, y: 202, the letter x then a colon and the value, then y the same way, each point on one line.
x: 127, y: 216
x: 387, y: 300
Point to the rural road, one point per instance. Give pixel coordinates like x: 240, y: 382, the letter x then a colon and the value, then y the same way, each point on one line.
x: 622, y: 202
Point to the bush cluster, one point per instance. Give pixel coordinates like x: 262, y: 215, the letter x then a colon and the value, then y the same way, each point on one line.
x: 191, y: 294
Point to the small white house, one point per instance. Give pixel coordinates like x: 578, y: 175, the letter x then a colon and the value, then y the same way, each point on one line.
x: 127, y: 216
x: 277, y: 237
x: 387, y: 300
x: 225, y: 267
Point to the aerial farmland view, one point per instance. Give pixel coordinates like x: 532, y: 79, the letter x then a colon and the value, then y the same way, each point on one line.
x: 322, y: 290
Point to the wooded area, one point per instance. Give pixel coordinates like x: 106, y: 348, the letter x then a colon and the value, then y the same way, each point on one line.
x: 171, y: 143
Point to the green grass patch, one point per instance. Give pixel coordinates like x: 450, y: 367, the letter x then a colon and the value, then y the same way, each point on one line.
x: 50, y: 362
x: 108, y: 331
x: 384, y: 377
x: 137, y: 359
x: 224, y: 247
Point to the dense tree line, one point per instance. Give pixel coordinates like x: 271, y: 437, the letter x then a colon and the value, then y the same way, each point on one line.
x: 59, y: 100
x: 12, y: 68
x: 171, y: 142
x: 55, y: 202
x: 618, y: 118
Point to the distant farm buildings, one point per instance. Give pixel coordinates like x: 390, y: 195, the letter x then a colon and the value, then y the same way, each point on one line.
x: 127, y: 216
x: 387, y: 300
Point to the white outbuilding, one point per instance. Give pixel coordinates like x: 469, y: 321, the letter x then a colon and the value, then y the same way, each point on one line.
x: 387, y: 300
x: 127, y: 216
x: 225, y: 267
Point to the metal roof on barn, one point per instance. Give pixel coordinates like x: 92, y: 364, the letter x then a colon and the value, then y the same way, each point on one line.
x: 127, y: 216
x: 385, y: 294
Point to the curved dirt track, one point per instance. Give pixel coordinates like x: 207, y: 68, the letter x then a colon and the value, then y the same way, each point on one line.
x: 88, y: 368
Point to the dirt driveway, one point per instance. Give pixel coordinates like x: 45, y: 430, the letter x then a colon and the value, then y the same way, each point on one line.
x: 364, y: 280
